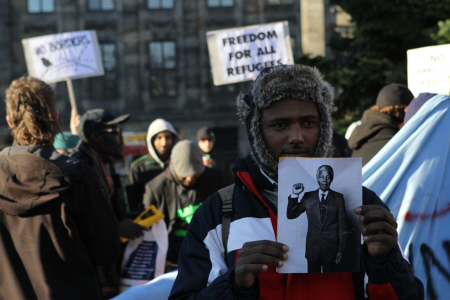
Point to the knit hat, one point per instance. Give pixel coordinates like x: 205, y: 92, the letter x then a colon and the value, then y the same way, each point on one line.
x: 186, y: 159
x: 66, y: 140
x: 277, y: 83
x: 205, y: 132
x: 416, y: 104
x: 97, y: 119
x: 394, y: 94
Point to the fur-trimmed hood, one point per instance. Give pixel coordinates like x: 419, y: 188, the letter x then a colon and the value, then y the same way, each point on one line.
x: 277, y: 83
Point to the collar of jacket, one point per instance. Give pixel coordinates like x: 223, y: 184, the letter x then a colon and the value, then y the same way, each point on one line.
x: 249, y: 176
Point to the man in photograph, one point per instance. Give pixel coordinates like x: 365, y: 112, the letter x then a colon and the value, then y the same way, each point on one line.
x: 325, y: 209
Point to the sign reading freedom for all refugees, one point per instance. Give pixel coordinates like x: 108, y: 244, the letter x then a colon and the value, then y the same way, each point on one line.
x: 63, y: 56
x: 429, y: 70
x: 239, y: 54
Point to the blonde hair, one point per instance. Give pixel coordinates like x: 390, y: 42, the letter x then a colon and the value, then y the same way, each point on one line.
x: 395, y: 111
x: 31, y: 108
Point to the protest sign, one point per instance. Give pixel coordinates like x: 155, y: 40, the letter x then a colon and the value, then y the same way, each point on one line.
x: 239, y: 54
x: 316, y: 202
x: 63, y: 56
x: 429, y: 70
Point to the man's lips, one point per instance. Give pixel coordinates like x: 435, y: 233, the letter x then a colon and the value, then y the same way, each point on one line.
x: 295, y: 152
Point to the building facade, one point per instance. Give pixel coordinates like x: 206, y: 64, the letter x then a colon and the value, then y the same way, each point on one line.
x: 155, y: 55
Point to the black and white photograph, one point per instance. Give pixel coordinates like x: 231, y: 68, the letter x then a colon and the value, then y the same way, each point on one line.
x: 316, y: 219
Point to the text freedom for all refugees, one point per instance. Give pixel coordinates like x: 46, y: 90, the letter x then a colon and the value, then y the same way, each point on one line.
x: 249, y: 38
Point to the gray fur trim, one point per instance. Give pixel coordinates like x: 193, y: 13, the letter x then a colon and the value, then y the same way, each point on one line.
x: 281, y: 82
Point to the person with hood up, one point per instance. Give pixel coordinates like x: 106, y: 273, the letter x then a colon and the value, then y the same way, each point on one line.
x: 179, y: 191
x: 380, y: 122
x: 56, y: 224
x: 287, y: 112
x: 161, y: 137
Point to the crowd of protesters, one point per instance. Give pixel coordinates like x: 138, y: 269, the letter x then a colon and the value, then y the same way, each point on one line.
x: 63, y: 208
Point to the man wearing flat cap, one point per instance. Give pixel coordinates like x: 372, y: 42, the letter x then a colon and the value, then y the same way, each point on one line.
x: 100, y: 140
x: 179, y: 190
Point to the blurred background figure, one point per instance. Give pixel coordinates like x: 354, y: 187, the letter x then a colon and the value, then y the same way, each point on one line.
x: 212, y: 157
x: 161, y: 137
x: 55, y: 221
x: 381, y: 122
x: 101, y: 141
x: 66, y: 141
x: 177, y: 193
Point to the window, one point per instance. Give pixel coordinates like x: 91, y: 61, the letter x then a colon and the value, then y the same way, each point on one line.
x: 41, y: 6
x: 100, y: 5
x: 162, y: 69
x: 106, y: 86
x: 160, y: 4
x: 280, y: 1
x: 220, y: 3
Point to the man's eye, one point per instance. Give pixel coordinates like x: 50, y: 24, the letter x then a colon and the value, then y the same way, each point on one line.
x: 278, y: 125
x: 310, y: 123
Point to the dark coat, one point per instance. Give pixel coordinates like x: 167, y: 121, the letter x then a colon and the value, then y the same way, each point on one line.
x: 328, y: 237
x: 142, y: 170
x: 205, y: 274
x: 55, y: 225
x: 375, y: 131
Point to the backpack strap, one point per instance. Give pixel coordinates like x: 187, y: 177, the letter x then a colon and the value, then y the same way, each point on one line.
x: 227, y: 211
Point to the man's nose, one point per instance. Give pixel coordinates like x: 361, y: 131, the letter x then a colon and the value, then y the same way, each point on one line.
x: 296, y: 135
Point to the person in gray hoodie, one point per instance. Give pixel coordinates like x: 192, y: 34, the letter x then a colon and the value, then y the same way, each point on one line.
x: 161, y: 137
x: 56, y: 223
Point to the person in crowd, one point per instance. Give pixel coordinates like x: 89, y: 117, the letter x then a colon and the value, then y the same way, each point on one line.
x: 161, y: 137
x: 101, y: 140
x: 55, y: 221
x: 287, y: 112
x: 66, y: 141
x: 179, y: 191
x: 381, y: 122
x: 211, y: 156
x: 411, y: 175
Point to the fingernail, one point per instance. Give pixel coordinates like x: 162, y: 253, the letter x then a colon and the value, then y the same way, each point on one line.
x: 280, y: 264
x: 285, y: 248
x: 285, y: 256
x: 363, y: 230
x: 358, y: 210
x: 361, y: 218
x: 365, y: 238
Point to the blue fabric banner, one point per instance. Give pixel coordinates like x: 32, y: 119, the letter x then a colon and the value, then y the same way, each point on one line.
x: 411, y: 174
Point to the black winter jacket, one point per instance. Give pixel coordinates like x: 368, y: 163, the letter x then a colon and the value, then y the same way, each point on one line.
x: 204, y: 274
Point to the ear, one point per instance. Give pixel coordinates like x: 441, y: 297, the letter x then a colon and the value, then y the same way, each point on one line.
x: 8, y: 120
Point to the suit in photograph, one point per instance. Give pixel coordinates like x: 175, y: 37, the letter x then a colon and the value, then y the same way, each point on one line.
x: 326, y: 236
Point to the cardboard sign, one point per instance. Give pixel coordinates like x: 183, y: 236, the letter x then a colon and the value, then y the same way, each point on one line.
x: 429, y: 70
x: 239, y: 54
x: 63, y: 56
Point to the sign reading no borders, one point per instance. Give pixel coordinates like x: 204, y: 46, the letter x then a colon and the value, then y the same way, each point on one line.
x: 429, y: 70
x: 63, y: 56
x: 239, y: 54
